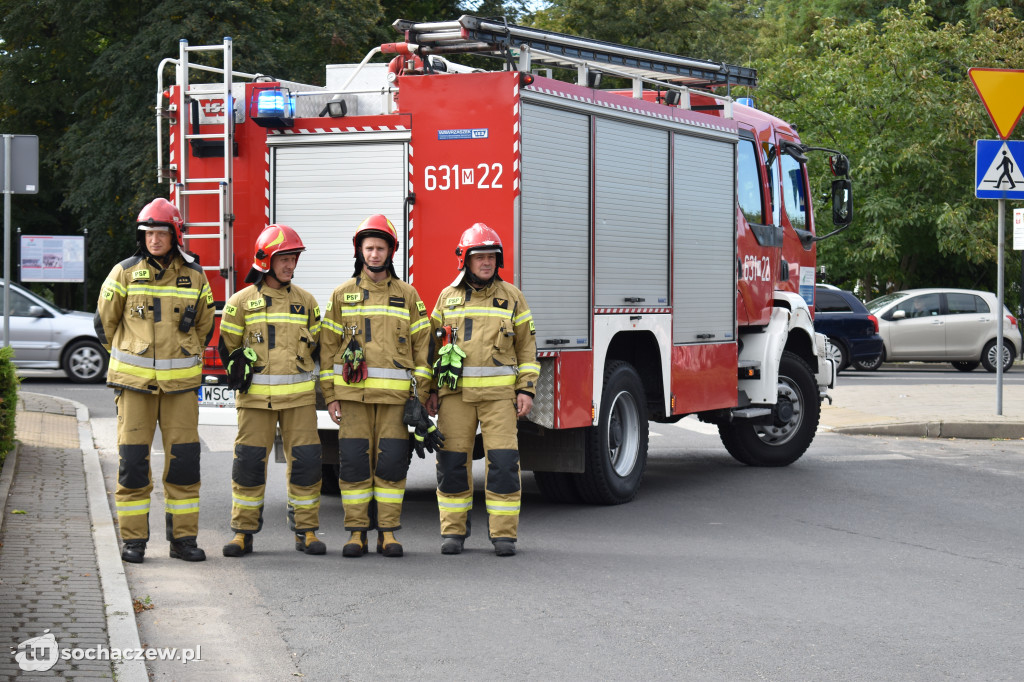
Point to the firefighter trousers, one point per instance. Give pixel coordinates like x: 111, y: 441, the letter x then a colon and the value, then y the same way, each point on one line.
x: 373, y: 454
x: 457, y: 420
x: 253, y: 444
x: 137, y: 416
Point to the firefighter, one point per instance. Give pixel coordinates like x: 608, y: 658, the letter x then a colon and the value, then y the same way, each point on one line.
x: 269, y: 336
x: 375, y: 344
x: 485, y: 373
x: 155, y: 316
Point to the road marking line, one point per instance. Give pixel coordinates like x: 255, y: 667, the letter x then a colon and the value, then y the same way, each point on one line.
x: 865, y: 458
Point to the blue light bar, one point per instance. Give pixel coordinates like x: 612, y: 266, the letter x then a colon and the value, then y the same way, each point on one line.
x: 275, y: 104
x: 746, y: 101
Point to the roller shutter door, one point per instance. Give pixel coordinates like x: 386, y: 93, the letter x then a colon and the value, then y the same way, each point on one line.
x: 704, y: 284
x: 631, y: 223
x: 555, y: 224
x: 325, y: 192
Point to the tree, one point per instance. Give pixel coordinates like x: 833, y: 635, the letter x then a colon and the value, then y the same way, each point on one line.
x: 895, y: 96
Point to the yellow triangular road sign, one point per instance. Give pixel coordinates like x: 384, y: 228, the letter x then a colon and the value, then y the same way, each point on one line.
x: 1002, y: 91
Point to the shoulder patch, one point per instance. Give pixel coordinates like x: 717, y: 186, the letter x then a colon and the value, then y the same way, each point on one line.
x: 422, y: 307
x: 230, y: 309
x: 108, y: 293
x: 533, y: 330
x: 501, y: 303
x: 140, y: 275
x: 316, y: 311
x: 353, y: 298
x: 453, y: 300
x: 209, y: 299
x: 255, y: 304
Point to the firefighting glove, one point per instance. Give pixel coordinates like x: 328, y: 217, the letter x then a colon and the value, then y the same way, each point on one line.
x: 427, y: 438
x: 240, y: 364
x: 448, y: 367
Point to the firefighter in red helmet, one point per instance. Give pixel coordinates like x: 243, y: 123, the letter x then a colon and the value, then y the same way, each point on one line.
x: 375, y: 343
x: 485, y: 373
x: 269, y: 336
x: 155, y: 316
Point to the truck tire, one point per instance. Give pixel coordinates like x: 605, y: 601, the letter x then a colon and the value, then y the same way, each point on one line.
x: 557, y: 486
x: 782, y: 443
x: 616, y: 453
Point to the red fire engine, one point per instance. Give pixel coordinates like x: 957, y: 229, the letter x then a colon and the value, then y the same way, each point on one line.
x: 663, y: 236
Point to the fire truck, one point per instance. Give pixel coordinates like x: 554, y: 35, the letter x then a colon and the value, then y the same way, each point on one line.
x: 661, y: 231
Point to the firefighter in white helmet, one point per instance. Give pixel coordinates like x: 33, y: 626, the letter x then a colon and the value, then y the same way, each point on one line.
x: 486, y: 372
x: 269, y: 337
x: 375, y: 344
x: 155, y: 316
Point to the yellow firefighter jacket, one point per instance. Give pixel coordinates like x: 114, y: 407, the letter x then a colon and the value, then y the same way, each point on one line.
x: 494, y: 328
x: 283, y: 327
x: 391, y: 323
x: 140, y: 307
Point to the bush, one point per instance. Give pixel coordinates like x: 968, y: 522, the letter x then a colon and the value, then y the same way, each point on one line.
x: 8, y: 402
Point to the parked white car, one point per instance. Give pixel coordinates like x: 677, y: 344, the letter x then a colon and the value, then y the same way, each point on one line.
x: 958, y: 326
x: 45, y: 336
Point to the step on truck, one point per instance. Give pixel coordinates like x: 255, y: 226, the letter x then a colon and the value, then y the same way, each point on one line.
x: 662, y: 231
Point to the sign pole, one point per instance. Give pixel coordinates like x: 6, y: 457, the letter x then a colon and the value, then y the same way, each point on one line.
x: 999, y: 316
x: 7, y: 239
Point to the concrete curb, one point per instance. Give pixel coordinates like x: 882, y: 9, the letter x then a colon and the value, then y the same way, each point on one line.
x: 6, y: 478
x: 122, y: 630
x: 938, y: 429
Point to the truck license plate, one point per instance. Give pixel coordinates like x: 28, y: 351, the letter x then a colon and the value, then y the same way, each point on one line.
x: 216, y: 396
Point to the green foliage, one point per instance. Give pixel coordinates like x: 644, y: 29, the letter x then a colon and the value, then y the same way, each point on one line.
x: 896, y: 98
x: 8, y: 401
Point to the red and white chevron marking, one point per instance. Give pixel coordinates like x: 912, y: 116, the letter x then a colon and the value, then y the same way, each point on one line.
x: 348, y: 129
x: 515, y: 136
x: 412, y: 232
x: 266, y: 186
x: 623, y: 311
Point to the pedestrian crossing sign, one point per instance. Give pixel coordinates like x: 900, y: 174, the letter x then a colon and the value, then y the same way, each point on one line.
x: 997, y: 173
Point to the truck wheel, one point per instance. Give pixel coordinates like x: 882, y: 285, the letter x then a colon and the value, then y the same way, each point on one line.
x: 797, y: 413
x: 557, y: 486
x: 617, y: 447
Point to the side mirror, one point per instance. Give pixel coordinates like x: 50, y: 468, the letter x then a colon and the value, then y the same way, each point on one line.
x: 842, y: 202
x: 899, y: 314
x: 36, y: 311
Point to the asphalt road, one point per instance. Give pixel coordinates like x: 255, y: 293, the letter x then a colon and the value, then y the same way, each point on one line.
x: 868, y: 559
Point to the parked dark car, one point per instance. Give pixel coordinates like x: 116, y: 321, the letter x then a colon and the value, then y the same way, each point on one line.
x: 852, y: 331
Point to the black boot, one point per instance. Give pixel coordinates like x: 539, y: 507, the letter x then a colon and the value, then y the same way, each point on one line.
x: 307, y: 542
x: 241, y: 544
x: 452, y: 546
x: 186, y: 549
x: 133, y: 551
x: 388, y: 545
x: 356, y: 545
x: 504, y: 546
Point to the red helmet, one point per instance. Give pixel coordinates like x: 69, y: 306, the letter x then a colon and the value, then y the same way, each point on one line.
x: 376, y: 226
x: 162, y: 214
x: 478, y: 239
x: 275, y: 239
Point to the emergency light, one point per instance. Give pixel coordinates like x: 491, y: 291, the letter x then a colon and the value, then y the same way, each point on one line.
x: 746, y: 101
x: 272, y: 107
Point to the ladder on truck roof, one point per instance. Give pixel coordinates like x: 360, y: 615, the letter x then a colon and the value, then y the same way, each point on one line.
x: 185, y: 109
x: 536, y: 47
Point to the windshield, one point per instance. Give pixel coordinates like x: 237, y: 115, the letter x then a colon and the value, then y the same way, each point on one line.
x: 882, y: 301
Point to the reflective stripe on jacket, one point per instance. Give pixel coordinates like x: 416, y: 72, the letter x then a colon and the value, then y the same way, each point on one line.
x: 494, y: 328
x: 283, y: 327
x: 392, y: 325
x: 140, y: 307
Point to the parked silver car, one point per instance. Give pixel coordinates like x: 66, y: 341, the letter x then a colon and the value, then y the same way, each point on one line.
x: 958, y: 326
x: 47, y: 337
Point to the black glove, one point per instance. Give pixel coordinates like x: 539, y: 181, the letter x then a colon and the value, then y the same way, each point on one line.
x: 240, y: 364
x: 427, y: 438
